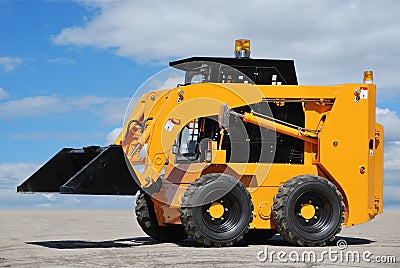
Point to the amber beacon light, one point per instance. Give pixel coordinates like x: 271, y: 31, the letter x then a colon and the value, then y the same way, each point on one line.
x: 368, y: 77
x: 242, y: 48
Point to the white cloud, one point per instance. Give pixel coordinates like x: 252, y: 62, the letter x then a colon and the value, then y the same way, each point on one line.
x: 45, y: 205
x: 10, y: 63
x: 335, y: 47
x: 12, y: 174
x: 65, y: 136
x: 84, y: 102
x: 391, y: 197
x: 111, y: 110
x: 71, y: 200
x: 33, y: 106
x: 61, y: 60
x: 9, y: 199
x: 172, y: 82
x: 112, y: 135
x: 3, y: 93
x: 391, y: 121
x: 392, y: 157
x: 50, y: 196
x: 392, y: 165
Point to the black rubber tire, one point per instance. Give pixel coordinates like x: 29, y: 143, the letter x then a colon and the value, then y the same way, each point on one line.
x: 147, y: 219
x: 218, y: 232
x: 329, y: 205
x: 258, y: 236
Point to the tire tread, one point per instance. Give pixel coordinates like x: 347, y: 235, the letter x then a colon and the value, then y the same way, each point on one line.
x: 147, y: 220
x: 280, y: 205
x: 187, y: 215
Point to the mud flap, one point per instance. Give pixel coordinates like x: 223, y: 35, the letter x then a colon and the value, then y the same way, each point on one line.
x: 91, y: 170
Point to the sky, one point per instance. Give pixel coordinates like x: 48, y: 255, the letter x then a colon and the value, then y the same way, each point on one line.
x: 69, y: 68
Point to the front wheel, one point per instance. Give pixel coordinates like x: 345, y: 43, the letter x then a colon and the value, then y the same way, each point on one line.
x: 147, y: 219
x: 308, y: 211
x: 216, y: 210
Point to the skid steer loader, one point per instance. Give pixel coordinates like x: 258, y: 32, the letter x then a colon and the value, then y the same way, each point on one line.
x: 237, y: 150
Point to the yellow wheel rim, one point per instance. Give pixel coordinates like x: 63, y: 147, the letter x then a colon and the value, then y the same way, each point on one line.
x: 307, y: 211
x: 216, y: 210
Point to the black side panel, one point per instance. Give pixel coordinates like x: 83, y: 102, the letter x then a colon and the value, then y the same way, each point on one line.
x: 259, y: 71
x: 59, y: 170
x: 106, y: 174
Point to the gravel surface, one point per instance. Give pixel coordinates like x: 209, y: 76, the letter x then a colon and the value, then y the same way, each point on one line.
x: 114, y: 239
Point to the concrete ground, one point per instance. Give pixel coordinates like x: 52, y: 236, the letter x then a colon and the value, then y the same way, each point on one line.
x: 114, y: 239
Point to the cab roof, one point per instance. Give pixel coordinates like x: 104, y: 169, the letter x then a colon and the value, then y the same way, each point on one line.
x: 251, y: 67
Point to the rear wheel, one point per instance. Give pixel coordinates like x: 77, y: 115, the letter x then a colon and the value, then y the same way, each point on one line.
x: 308, y: 211
x: 216, y: 210
x: 147, y: 219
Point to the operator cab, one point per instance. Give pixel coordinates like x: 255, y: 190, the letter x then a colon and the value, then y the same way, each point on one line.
x: 242, y: 69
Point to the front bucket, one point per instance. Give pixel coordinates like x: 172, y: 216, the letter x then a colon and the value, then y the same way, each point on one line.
x: 91, y: 170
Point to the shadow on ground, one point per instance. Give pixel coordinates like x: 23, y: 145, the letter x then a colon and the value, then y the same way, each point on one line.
x: 79, y: 244
x: 141, y: 241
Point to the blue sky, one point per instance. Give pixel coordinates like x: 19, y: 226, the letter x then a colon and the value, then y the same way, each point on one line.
x: 69, y: 68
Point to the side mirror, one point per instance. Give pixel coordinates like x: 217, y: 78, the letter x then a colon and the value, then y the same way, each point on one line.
x: 223, y: 116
